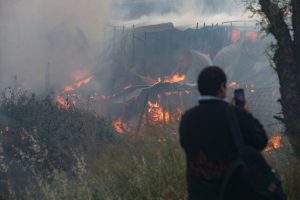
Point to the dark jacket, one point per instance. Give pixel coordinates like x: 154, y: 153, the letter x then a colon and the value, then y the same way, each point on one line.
x: 208, y: 145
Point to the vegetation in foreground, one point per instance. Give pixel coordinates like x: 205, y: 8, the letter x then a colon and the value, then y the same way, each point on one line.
x: 151, y: 167
x: 39, y: 140
x: 52, y: 153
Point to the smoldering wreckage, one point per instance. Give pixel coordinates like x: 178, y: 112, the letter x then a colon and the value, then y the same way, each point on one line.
x: 146, y: 77
x: 153, y: 72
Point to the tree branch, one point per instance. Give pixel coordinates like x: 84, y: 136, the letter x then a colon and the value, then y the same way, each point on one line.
x: 296, y: 27
x: 277, y: 24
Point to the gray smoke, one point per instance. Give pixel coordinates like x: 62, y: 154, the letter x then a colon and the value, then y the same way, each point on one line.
x: 181, y: 13
x: 69, y: 35
x: 64, y: 33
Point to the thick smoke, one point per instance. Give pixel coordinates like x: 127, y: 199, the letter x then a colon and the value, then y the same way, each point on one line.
x: 68, y: 35
x: 181, y: 13
x: 65, y: 34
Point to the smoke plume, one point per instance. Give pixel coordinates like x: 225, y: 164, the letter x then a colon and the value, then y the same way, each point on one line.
x: 181, y: 13
x: 68, y: 35
x: 65, y: 34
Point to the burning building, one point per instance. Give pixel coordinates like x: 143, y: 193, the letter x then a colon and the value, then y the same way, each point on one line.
x: 148, y: 74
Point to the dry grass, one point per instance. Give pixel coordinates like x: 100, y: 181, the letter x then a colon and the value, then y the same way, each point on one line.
x: 147, y: 166
x: 288, y: 170
x: 141, y: 167
x: 150, y: 167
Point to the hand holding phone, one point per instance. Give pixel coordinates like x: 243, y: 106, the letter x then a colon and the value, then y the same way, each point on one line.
x: 239, y: 97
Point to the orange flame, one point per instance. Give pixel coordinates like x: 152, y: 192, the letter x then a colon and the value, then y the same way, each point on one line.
x: 157, y: 113
x: 80, y: 74
x: 252, y: 36
x: 119, y: 126
x: 235, y: 36
x: 84, y: 82
x: 175, y: 78
x: 69, y: 88
x: 62, y: 102
x: 274, y: 143
x: 233, y: 84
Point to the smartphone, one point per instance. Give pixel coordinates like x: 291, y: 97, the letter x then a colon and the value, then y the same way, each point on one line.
x: 239, y: 97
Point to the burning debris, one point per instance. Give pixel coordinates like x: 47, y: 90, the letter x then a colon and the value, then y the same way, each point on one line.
x: 142, y: 94
x: 156, y: 112
x: 275, y: 143
x: 120, y: 126
x: 63, y: 102
x: 81, y: 78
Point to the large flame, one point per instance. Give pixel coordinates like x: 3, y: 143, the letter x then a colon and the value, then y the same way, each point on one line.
x: 156, y: 112
x: 175, y: 78
x: 80, y: 80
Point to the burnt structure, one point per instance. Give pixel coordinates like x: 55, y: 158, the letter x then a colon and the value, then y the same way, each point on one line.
x: 143, y: 60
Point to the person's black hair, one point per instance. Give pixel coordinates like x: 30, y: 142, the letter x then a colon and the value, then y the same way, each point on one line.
x: 210, y: 80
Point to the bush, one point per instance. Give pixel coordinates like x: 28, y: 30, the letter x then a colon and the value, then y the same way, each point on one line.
x: 39, y: 138
x: 149, y: 166
x: 50, y: 153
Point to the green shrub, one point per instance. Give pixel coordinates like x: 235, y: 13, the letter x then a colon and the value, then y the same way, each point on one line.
x: 147, y: 166
x: 38, y: 137
x: 50, y: 153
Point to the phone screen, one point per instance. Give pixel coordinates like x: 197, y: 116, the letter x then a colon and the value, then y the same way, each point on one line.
x: 239, y: 97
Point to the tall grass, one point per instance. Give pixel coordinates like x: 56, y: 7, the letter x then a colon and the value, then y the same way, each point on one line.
x: 69, y: 154
x: 149, y: 166
x: 288, y: 170
x: 141, y: 167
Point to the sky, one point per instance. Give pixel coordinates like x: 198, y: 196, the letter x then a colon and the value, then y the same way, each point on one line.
x: 181, y: 13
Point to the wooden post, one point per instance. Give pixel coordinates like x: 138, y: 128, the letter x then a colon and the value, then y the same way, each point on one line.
x: 139, y: 125
x: 47, y: 77
x: 196, y: 36
x: 145, y: 50
x: 133, y: 48
x: 114, y: 39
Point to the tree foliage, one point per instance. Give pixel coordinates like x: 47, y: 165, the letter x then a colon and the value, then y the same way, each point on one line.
x: 39, y: 138
x: 281, y: 18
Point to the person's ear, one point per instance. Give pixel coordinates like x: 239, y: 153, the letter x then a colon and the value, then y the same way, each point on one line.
x: 223, y: 87
x: 222, y: 90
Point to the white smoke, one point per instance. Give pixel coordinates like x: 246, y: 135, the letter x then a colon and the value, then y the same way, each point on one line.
x: 187, y: 13
x: 65, y: 33
x: 69, y: 34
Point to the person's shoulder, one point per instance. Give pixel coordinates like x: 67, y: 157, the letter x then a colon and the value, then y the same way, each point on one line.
x: 190, y: 112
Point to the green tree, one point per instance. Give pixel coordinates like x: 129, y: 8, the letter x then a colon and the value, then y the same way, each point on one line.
x: 281, y: 18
